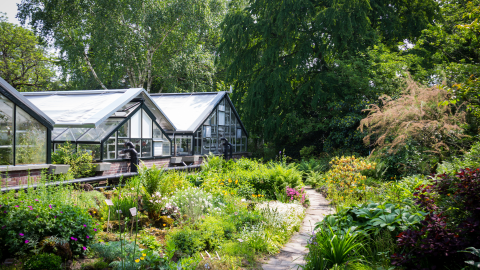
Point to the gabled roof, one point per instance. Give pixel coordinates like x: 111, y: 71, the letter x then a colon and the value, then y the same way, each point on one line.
x: 188, y: 110
x: 7, y: 90
x: 90, y: 108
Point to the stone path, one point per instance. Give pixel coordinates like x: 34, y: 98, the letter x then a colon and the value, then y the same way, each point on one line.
x: 295, y: 250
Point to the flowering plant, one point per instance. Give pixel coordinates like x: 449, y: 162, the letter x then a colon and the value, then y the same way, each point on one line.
x: 297, y: 195
x: 24, y: 223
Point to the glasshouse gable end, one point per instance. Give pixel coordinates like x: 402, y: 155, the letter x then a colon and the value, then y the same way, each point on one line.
x: 164, y: 129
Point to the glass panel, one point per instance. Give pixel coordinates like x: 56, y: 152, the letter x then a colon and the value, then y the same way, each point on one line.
x: 146, y: 148
x: 56, y: 132
x: 166, y: 148
x: 66, y: 136
x: 106, y: 127
x: 158, y: 148
x: 221, y: 118
x: 91, y: 135
x: 183, y: 144
x: 109, y: 148
x: 120, y: 147
x: 6, y: 131
x: 146, y: 125
x: 198, y: 143
x: 92, y: 149
x: 135, y: 123
x: 137, y: 143
x: 123, y: 131
x: 157, y: 133
x: 31, y: 140
x: 78, y: 132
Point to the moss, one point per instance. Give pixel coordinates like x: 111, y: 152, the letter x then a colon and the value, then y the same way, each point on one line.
x: 164, y: 222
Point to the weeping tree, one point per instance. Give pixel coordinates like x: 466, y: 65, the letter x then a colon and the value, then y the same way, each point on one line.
x: 126, y: 43
x: 306, y: 69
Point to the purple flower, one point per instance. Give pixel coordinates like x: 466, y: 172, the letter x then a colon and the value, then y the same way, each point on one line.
x: 88, y: 236
x: 37, y: 216
x: 72, y: 237
x: 26, y: 241
x: 61, y: 212
x: 95, y: 229
x: 84, y: 225
x: 3, y: 227
x: 4, y: 212
x: 84, y: 248
x: 55, y: 217
x: 50, y: 206
x: 17, y: 206
x: 36, y: 200
x: 21, y: 234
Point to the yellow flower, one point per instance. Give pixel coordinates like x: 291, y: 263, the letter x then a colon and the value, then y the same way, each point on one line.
x: 236, y: 181
x: 141, y: 258
x: 144, y: 255
x: 137, y: 260
x: 229, y: 180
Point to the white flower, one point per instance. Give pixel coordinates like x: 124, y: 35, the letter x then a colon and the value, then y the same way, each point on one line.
x: 243, y: 200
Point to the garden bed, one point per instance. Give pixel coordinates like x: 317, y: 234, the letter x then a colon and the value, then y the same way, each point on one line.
x: 228, y: 215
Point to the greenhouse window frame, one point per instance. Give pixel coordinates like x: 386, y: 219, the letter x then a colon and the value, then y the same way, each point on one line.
x: 19, y: 101
x: 143, y: 107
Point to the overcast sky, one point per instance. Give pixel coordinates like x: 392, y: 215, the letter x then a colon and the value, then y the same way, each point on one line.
x: 10, y: 8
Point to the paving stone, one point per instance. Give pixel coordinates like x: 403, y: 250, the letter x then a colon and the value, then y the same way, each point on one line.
x: 293, y: 253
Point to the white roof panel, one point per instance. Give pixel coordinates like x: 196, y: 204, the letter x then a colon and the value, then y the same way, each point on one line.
x: 89, y: 108
x: 187, y: 111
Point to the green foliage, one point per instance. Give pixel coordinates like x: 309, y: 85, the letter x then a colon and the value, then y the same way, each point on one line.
x: 471, y: 160
x: 44, y: 261
x: 111, y: 251
x: 334, y: 248
x: 307, y: 151
x: 80, y: 161
x: 25, y: 63
x: 26, y: 223
x: 215, y: 230
x: 475, y: 252
x: 310, y: 86
x: 188, y: 240
x: 373, y: 218
x: 171, y: 47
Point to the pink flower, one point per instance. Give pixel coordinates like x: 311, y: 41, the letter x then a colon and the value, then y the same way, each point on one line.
x: 84, y: 248
x: 50, y: 206
x: 26, y: 241
x: 21, y: 234
x: 95, y: 229
x: 88, y: 236
x: 36, y: 200
x: 84, y: 225
x: 16, y: 206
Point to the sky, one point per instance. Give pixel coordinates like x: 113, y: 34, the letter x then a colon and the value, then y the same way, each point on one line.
x: 10, y: 8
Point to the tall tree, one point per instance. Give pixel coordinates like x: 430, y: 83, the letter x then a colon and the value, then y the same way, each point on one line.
x: 24, y: 62
x: 128, y: 40
x: 304, y: 66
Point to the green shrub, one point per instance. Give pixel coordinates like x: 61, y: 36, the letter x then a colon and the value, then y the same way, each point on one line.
x: 215, y: 230
x: 111, y: 251
x: 80, y: 161
x: 188, y: 241
x: 471, y: 160
x: 25, y: 223
x: 307, y: 151
x: 44, y: 261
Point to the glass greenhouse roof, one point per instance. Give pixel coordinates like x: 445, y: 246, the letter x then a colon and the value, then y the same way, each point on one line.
x: 188, y: 110
x: 26, y: 104
x: 90, y: 116
x: 89, y: 108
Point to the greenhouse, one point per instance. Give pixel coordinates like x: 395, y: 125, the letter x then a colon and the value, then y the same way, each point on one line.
x: 24, y: 129
x: 101, y: 121
x: 201, y: 120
